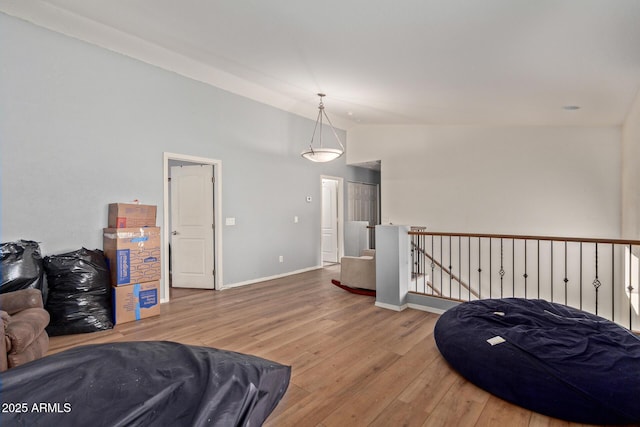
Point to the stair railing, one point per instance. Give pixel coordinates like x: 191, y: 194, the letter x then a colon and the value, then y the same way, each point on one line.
x: 596, y: 275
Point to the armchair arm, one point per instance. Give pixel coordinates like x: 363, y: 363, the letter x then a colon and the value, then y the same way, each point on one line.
x: 4, y: 364
x: 369, y: 252
x: 13, y: 302
x: 25, y: 328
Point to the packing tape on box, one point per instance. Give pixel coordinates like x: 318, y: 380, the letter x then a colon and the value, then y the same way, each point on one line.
x: 136, y: 294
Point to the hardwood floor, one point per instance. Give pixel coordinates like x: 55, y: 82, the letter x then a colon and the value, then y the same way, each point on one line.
x: 353, y: 364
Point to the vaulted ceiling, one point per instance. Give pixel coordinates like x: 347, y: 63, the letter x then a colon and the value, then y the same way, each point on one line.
x: 461, y: 62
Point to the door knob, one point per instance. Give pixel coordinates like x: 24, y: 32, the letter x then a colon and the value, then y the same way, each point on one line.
x: 174, y: 233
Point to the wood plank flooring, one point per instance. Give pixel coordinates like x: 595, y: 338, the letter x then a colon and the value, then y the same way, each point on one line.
x: 353, y: 364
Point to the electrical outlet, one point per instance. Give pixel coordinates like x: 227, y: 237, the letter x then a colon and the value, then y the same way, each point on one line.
x: 281, y: 258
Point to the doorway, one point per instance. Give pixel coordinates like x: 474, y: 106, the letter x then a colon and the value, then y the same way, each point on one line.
x: 363, y: 205
x: 191, y: 225
x: 331, y: 214
x: 192, y: 212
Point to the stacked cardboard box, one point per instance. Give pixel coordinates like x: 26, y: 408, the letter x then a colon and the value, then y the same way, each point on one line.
x: 131, y: 244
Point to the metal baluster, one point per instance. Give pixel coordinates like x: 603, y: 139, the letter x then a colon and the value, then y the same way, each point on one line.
x: 538, y: 261
x: 638, y: 277
x: 441, y: 264
x: 613, y: 275
x: 450, y: 269
x: 630, y: 288
x: 419, y: 256
x: 469, y: 252
x: 479, y: 271
x: 421, y: 259
x: 490, y: 267
x: 460, y: 267
x: 525, y: 275
x: 501, y: 272
x: 422, y: 253
x: 552, y: 271
x: 433, y: 266
x: 581, y: 264
x: 596, y: 282
x: 513, y: 266
x: 414, y: 276
x: 566, y: 280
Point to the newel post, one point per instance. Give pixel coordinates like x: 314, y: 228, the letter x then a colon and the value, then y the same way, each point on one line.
x: 392, y: 266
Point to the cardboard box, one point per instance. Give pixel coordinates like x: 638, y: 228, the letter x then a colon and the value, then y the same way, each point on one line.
x: 125, y: 215
x: 135, y: 302
x: 133, y: 254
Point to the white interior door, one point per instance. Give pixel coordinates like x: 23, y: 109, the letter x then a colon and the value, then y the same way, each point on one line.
x: 192, y: 257
x: 329, y: 220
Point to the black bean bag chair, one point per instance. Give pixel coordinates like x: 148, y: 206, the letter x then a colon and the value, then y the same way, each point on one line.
x: 142, y: 384
x: 546, y: 357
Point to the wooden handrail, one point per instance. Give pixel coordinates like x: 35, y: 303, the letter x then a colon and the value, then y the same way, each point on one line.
x: 526, y: 237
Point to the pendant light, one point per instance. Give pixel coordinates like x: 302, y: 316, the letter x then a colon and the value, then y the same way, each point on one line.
x: 321, y: 154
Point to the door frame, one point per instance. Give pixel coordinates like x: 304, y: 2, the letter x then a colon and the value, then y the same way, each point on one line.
x: 217, y: 217
x: 340, y: 203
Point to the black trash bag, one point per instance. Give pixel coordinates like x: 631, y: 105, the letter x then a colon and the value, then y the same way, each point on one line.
x: 21, y: 267
x: 79, y: 292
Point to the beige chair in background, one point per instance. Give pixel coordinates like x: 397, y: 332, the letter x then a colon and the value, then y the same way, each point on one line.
x: 359, y: 272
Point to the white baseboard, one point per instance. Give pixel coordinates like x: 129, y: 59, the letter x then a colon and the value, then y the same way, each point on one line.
x: 390, y: 306
x: 425, y: 308
x: 264, y: 279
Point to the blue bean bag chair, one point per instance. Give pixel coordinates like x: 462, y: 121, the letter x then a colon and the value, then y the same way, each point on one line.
x: 546, y: 357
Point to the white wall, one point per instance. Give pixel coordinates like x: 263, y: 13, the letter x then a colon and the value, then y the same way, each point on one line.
x: 81, y: 127
x: 517, y: 180
x: 631, y: 173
